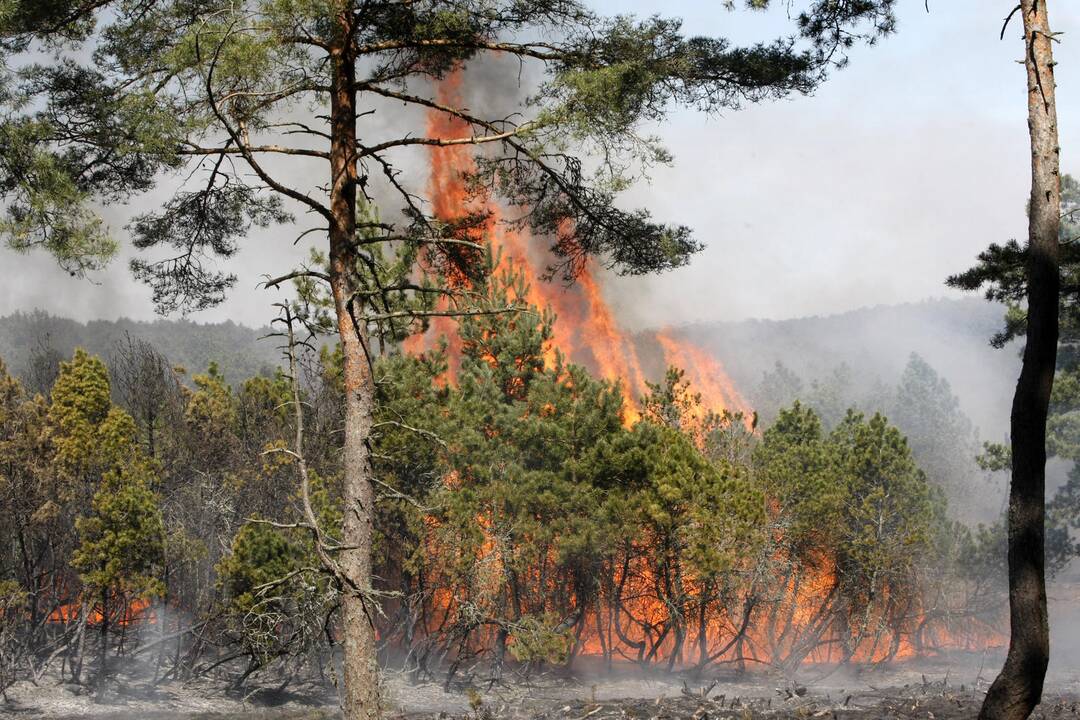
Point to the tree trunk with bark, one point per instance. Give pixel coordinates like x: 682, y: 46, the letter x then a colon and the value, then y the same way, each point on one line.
x: 1018, y: 689
x: 360, y: 699
x: 103, y: 651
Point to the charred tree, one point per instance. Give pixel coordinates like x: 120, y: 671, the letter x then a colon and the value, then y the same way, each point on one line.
x: 1018, y: 688
x: 145, y: 385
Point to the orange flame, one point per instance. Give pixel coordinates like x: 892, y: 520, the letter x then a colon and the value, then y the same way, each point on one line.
x: 136, y: 612
x: 705, y: 374
x: 586, y: 331
x: 793, y: 621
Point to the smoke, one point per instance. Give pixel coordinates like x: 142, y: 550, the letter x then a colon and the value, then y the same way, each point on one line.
x: 894, y: 175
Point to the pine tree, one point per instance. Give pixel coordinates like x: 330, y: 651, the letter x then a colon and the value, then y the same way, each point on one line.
x: 1032, y: 274
x: 122, y: 547
x: 938, y: 432
x: 179, y: 88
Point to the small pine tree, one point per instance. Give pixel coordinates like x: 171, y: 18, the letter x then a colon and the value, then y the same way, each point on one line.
x: 122, y: 547
x: 123, y: 539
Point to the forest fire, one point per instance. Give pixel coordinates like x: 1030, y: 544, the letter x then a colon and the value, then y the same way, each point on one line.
x: 137, y: 611
x: 586, y: 330
x: 565, y: 532
x: 649, y: 610
x: 781, y: 624
x: 454, y: 467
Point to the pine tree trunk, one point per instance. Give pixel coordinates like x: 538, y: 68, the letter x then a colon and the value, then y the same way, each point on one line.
x: 1018, y: 689
x: 103, y: 664
x: 162, y: 620
x: 76, y: 670
x: 361, y: 675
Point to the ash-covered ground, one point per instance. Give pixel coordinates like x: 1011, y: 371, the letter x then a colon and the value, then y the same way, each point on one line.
x: 936, y: 689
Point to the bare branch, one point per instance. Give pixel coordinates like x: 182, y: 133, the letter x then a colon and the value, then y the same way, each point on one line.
x: 277, y: 282
x: 419, y: 431
x: 540, y: 51
x: 445, y: 313
x: 444, y: 142
x: 278, y: 149
x: 236, y: 138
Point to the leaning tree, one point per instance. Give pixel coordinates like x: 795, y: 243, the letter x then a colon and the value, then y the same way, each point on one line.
x: 230, y: 104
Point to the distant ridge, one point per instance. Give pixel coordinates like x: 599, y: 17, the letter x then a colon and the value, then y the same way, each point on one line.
x: 239, y: 351
x: 875, y: 342
x: 953, y: 335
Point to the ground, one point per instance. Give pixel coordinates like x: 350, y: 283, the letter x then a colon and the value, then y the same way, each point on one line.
x: 934, y: 690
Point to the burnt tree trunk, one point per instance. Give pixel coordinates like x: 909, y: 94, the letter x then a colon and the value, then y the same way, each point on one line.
x: 703, y: 627
x: 103, y: 651
x: 360, y: 699
x: 1018, y: 689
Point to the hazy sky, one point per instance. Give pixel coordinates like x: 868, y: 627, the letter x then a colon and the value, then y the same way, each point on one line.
x: 892, y: 176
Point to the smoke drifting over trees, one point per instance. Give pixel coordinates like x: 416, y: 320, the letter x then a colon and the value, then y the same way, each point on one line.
x: 523, y: 524
x: 456, y: 471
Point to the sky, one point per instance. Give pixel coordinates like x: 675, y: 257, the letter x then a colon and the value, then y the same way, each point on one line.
x: 891, y: 176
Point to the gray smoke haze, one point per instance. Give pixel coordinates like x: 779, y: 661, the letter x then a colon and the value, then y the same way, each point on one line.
x: 892, y: 176
x: 895, y: 174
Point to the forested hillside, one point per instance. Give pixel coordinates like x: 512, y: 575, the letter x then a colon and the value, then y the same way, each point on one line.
x: 927, y: 366
x: 873, y: 344
x: 874, y: 359
x: 237, y: 350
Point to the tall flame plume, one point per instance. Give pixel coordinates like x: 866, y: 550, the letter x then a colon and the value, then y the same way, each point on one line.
x: 587, y: 330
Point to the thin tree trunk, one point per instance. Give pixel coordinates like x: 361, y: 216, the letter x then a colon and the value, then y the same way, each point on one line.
x: 703, y: 627
x: 605, y: 651
x: 151, y: 448
x: 162, y: 627
x: 80, y: 646
x: 179, y: 646
x: 1018, y: 689
x: 103, y: 665
x: 361, y: 674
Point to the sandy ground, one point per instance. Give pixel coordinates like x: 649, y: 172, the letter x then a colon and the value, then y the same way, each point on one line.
x: 937, y: 690
x: 168, y: 701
